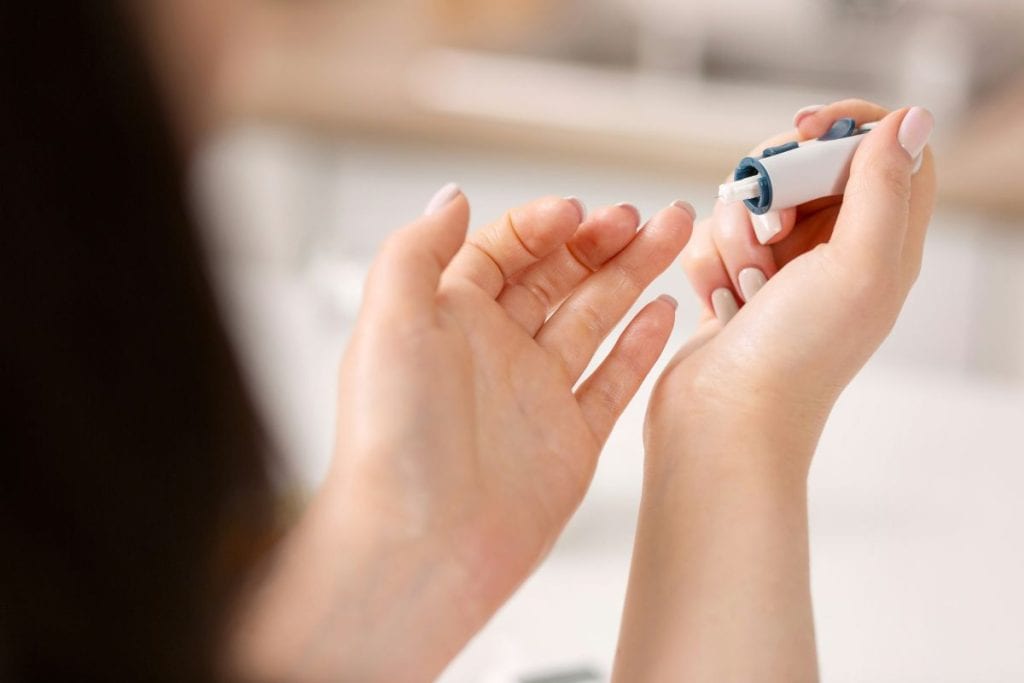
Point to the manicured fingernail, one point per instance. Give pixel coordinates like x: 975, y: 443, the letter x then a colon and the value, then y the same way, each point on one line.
x: 442, y: 198
x: 803, y: 113
x: 915, y: 130
x: 724, y: 304
x: 751, y: 281
x: 670, y: 300
x: 629, y: 207
x: 580, y: 207
x: 766, y: 225
x: 687, y: 207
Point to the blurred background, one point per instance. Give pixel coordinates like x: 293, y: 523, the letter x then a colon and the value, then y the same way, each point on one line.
x: 337, y: 120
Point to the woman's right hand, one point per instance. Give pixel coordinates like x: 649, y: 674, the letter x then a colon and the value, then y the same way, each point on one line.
x: 829, y: 285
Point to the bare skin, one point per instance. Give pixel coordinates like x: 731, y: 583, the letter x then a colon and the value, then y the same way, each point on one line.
x: 464, y: 441
x: 719, y: 589
x: 463, y: 447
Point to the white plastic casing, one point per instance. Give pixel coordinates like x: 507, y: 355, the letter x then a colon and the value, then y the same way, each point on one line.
x: 812, y: 170
x: 808, y: 171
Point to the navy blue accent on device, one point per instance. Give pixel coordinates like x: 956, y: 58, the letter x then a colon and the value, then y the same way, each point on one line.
x: 750, y: 166
x: 842, y: 128
x: 779, y: 149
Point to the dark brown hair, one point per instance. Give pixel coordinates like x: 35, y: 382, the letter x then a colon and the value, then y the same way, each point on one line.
x: 133, y: 476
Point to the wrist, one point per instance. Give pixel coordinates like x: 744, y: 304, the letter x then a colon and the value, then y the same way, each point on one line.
x: 719, y: 428
x: 721, y: 550
x: 337, y: 597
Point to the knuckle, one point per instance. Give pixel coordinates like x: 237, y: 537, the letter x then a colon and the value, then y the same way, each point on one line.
x: 630, y: 276
x: 542, y: 290
x: 590, y: 318
x: 701, y: 262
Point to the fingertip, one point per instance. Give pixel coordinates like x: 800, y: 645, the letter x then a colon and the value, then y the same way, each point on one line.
x: 811, y: 125
x: 563, y: 215
x: 687, y: 207
x: 449, y: 206
x: 650, y: 328
x: 448, y: 224
x: 544, y: 224
x: 632, y: 211
x: 885, y: 151
x: 786, y: 221
x: 804, y: 112
x: 605, y: 233
x: 766, y: 226
x: 724, y: 304
x: 581, y: 208
x: 915, y: 130
x: 442, y: 198
x: 816, y: 123
x: 677, y: 219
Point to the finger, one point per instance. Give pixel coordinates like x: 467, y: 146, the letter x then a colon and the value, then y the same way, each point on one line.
x: 774, y: 226
x: 518, y: 239
x: 816, y: 123
x: 922, y: 200
x: 707, y: 274
x: 405, y: 275
x: 873, y: 221
x: 529, y: 297
x: 576, y: 329
x: 605, y: 394
x: 748, y: 262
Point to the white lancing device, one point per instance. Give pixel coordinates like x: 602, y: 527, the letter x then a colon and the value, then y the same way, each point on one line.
x: 794, y: 173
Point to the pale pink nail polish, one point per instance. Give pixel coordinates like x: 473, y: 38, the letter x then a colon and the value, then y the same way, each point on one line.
x: 915, y: 130
x: 669, y: 299
x: 442, y: 198
x: 632, y: 209
x: 766, y: 225
x: 803, y: 113
x: 581, y: 208
x: 687, y: 207
x: 724, y: 305
x: 751, y: 281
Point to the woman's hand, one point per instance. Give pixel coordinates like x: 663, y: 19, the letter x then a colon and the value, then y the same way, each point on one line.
x: 462, y: 446
x: 837, y: 272
x: 719, y: 588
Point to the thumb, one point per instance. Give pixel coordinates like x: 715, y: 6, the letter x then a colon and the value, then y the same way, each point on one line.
x: 406, y: 273
x: 872, y: 222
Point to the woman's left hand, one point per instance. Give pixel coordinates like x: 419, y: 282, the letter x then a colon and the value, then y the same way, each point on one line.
x: 462, y: 446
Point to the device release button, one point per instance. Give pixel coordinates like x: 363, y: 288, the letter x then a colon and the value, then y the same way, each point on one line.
x: 779, y: 149
x: 840, y: 129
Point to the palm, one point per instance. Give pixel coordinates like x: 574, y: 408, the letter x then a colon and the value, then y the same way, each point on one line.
x: 814, y: 225
x: 751, y: 347
x: 536, y: 450
x: 470, y: 396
